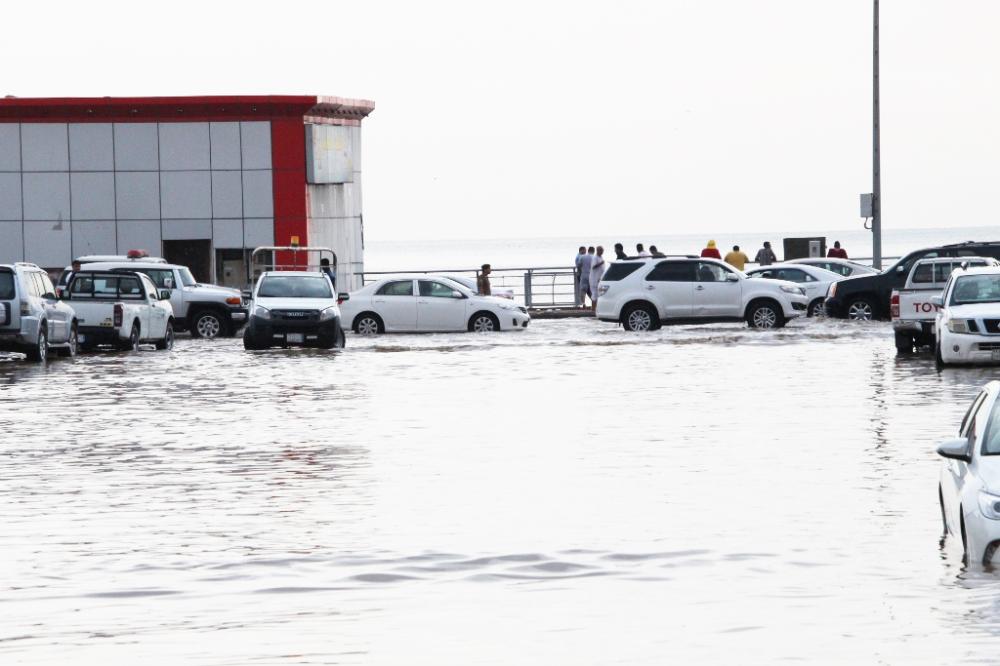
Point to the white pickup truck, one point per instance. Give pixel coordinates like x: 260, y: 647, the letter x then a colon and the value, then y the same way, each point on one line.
x: 911, y: 308
x: 120, y: 308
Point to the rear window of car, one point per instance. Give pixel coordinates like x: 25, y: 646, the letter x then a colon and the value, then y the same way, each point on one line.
x: 6, y: 285
x: 397, y: 288
x: 619, y: 271
x: 107, y: 287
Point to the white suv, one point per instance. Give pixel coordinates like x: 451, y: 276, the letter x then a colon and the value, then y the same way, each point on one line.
x: 32, y: 320
x: 641, y: 294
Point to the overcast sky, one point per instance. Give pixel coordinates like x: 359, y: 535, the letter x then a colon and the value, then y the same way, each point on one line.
x: 522, y: 119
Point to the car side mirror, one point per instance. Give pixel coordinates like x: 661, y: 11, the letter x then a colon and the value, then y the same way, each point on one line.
x: 732, y: 277
x: 49, y: 296
x: 343, y: 296
x: 937, y: 300
x: 956, y: 449
x: 899, y: 269
x: 164, y: 294
x: 168, y: 283
x: 455, y: 293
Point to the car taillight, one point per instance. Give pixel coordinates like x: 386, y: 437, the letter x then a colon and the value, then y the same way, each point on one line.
x: 894, y: 306
x: 119, y: 314
x: 25, y: 310
x: 233, y: 300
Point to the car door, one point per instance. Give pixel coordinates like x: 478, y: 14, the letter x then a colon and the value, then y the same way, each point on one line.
x: 55, y: 317
x: 957, y: 471
x: 670, y: 286
x: 718, y: 291
x: 157, y: 312
x: 396, y: 304
x: 438, y: 309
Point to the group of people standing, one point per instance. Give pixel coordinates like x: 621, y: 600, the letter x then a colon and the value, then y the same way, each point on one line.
x: 590, y: 263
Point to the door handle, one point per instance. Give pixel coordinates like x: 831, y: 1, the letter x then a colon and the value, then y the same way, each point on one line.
x: 700, y: 288
x: 422, y: 302
x: 650, y: 287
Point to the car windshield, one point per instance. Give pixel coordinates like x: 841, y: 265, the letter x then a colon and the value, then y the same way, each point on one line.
x: 186, y: 278
x: 297, y: 286
x: 6, y: 285
x: 976, y: 289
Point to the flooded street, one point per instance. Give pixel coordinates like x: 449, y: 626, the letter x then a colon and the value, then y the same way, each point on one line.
x: 572, y: 492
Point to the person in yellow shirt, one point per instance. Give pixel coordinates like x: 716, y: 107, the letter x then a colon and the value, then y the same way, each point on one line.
x: 736, y: 258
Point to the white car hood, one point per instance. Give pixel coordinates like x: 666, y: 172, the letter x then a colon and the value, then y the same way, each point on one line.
x: 213, y: 289
x: 975, y: 310
x: 495, y: 301
x: 296, y: 303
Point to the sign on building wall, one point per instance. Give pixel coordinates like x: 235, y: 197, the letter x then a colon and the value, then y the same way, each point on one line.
x: 329, y: 154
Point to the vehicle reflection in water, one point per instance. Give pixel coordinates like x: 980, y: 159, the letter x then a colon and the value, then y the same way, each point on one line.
x: 683, y: 494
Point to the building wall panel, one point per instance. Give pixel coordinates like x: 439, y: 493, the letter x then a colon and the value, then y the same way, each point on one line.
x: 91, y: 147
x: 186, y: 229
x: 227, y: 233
x: 10, y: 196
x: 10, y: 147
x: 139, y: 235
x: 12, y: 247
x: 186, y: 194
x: 93, y: 196
x: 225, y: 140
x: 44, y: 147
x: 259, y: 231
x: 184, y: 146
x: 137, y: 195
x: 258, y: 196
x: 136, y: 147
x: 47, y: 243
x: 94, y: 237
x: 46, y: 196
x: 227, y: 194
x: 255, y: 139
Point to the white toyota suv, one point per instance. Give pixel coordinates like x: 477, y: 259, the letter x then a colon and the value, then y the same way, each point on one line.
x: 642, y: 294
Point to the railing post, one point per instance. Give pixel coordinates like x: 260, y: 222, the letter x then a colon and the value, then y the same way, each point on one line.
x: 527, y: 288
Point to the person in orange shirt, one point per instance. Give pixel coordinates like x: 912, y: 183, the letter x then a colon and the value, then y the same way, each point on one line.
x: 736, y: 258
x: 711, y: 251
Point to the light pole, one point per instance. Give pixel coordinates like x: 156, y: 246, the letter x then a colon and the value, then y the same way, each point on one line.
x: 876, y: 156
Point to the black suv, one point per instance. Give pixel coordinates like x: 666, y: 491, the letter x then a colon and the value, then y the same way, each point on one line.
x: 867, y: 296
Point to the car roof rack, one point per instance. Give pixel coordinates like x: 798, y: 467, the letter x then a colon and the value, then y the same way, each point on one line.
x: 298, y: 261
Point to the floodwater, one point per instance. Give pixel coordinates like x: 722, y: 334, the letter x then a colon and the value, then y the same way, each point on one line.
x: 570, y: 494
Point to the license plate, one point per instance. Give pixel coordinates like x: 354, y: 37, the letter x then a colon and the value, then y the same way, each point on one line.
x: 995, y: 354
x: 299, y: 338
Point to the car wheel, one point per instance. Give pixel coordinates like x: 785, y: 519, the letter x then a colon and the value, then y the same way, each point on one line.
x: 938, y: 359
x: 817, y: 308
x: 484, y: 322
x: 167, y: 342
x: 965, y: 545
x: 133, y: 339
x: 765, y: 316
x: 904, y: 343
x: 368, y: 324
x: 249, y: 343
x: 208, y: 324
x: 72, y: 345
x: 341, y: 339
x: 861, y: 310
x: 40, y: 352
x: 640, y: 318
x: 944, y: 517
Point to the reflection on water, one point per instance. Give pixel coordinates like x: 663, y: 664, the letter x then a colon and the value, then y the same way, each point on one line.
x: 571, y: 493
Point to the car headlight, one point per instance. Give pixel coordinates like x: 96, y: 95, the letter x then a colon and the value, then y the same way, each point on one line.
x: 602, y: 289
x: 328, y: 314
x: 262, y: 312
x: 957, y: 325
x: 989, y: 504
x: 793, y: 290
x: 833, y: 290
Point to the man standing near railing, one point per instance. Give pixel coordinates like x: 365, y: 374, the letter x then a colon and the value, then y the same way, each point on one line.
x: 586, y: 262
x: 483, y: 281
x: 577, y: 295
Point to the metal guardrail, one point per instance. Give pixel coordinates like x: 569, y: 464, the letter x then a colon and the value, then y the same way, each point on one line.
x: 538, y: 287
